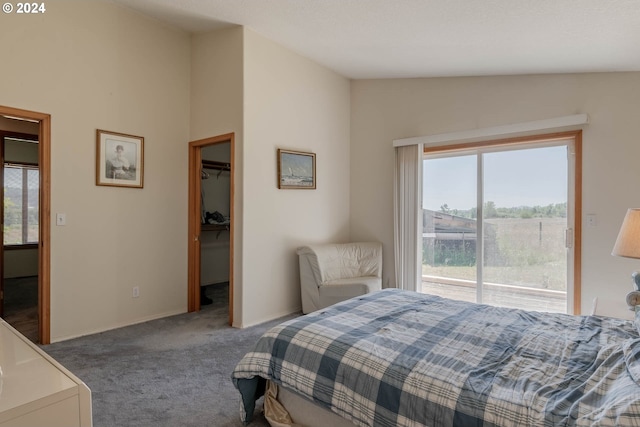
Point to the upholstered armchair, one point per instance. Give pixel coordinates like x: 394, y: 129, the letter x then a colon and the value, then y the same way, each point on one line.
x: 330, y: 273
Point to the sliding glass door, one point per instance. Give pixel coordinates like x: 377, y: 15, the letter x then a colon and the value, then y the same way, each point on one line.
x: 495, y: 225
x: 449, y: 240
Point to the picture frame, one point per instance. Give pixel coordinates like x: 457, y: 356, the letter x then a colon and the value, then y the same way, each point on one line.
x: 119, y: 159
x: 296, y: 170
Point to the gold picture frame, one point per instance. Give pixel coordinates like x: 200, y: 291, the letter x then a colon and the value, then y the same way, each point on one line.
x: 119, y: 159
x: 296, y: 170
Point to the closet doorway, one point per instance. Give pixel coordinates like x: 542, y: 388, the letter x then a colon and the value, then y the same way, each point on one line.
x: 211, y: 220
x: 26, y: 163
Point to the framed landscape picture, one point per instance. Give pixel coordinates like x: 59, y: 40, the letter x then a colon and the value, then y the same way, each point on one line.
x: 119, y: 159
x: 296, y: 169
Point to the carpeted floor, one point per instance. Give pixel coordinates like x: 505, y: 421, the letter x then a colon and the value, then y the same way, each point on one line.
x: 174, y: 371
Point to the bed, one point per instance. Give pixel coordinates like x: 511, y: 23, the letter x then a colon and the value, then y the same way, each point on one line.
x: 400, y: 358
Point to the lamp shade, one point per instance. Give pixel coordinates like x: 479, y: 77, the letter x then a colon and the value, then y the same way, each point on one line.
x: 628, y: 241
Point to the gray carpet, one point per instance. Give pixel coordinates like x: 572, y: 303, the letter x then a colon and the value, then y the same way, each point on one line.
x: 174, y: 371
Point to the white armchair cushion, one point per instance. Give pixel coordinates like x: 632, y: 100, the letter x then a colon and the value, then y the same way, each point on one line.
x: 348, y: 260
x: 331, y: 273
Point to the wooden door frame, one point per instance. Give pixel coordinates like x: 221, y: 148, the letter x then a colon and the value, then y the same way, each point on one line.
x: 2, y: 223
x: 44, y: 218
x: 195, y: 184
x: 576, y: 136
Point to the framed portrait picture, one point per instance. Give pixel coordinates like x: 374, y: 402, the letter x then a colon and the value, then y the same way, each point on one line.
x: 119, y: 159
x: 296, y: 169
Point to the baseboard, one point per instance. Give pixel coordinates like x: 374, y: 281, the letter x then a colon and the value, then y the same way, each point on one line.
x: 275, y: 317
x: 118, y: 326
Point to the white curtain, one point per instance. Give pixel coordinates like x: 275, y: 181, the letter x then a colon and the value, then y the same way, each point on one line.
x: 407, y: 195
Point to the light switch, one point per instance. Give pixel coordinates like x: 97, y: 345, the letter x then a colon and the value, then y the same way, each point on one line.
x: 61, y: 219
x: 592, y: 220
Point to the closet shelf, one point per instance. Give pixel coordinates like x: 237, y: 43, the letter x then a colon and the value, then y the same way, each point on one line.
x: 213, y: 164
x: 214, y: 227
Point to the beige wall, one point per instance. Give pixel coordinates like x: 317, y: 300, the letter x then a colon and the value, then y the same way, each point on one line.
x: 130, y: 74
x: 20, y: 263
x: 384, y: 110
x: 21, y: 152
x: 292, y: 103
x: 126, y: 73
x: 217, y: 108
x: 95, y: 65
x: 272, y: 98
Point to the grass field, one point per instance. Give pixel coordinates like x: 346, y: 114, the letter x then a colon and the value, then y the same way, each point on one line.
x: 527, y: 252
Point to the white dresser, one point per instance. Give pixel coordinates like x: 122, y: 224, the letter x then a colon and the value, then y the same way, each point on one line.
x: 35, y: 390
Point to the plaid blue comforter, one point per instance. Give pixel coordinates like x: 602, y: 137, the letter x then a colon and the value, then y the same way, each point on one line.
x: 399, y: 358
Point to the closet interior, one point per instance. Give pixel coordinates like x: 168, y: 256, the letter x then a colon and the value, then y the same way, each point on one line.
x: 215, y: 219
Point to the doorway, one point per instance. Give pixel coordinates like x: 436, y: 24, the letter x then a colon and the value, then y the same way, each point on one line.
x: 499, y: 223
x: 24, y: 119
x: 211, y: 161
x: 19, y: 281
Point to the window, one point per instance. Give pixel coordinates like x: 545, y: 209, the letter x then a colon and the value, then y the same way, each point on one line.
x: 498, y: 222
x: 21, y: 191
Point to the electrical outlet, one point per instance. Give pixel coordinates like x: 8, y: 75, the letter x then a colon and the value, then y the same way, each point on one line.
x: 136, y: 291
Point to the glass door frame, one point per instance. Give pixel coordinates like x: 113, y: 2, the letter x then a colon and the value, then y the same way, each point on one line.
x: 573, y: 141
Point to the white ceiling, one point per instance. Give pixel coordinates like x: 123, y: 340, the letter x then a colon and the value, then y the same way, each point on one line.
x: 429, y: 38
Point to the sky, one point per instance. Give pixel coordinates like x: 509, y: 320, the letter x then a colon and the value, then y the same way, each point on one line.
x: 531, y: 177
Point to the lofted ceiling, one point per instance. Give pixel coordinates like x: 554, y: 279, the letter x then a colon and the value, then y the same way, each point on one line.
x: 363, y: 39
